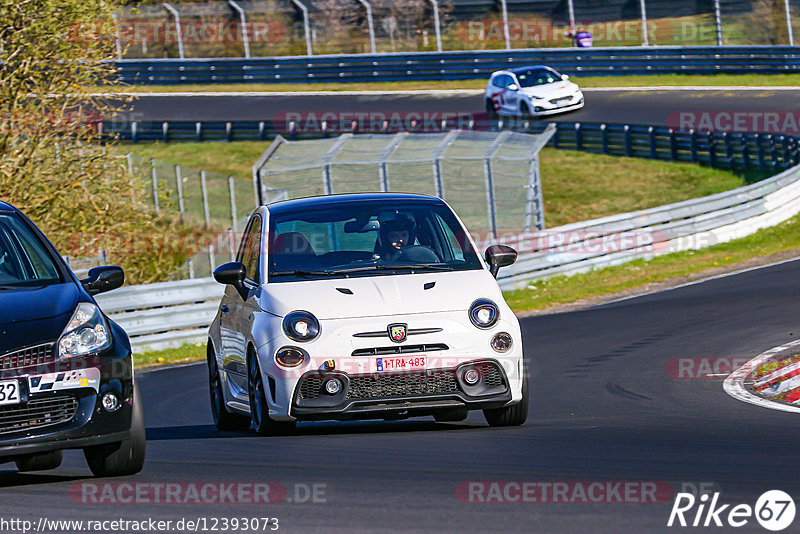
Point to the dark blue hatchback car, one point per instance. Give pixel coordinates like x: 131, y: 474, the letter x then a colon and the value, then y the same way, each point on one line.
x: 66, y: 372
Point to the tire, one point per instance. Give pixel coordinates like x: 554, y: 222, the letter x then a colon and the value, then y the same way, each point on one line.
x: 39, y: 462
x: 514, y: 415
x: 525, y: 111
x: 451, y: 416
x: 491, y: 111
x: 223, y: 419
x: 124, y: 457
x: 259, y: 409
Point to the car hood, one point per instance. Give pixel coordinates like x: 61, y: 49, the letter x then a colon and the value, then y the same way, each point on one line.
x: 374, y: 296
x: 34, y: 315
x: 550, y: 90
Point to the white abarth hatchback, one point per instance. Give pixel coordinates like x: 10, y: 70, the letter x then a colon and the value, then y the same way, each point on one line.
x: 531, y: 92
x: 363, y: 306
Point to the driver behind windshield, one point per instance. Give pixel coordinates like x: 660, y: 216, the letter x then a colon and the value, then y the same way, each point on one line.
x: 396, y: 235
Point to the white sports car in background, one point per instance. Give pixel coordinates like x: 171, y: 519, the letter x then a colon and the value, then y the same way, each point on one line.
x: 363, y: 306
x: 531, y: 92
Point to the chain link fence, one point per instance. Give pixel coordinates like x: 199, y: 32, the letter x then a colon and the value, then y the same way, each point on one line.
x: 266, y: 28
x: 491, y: 179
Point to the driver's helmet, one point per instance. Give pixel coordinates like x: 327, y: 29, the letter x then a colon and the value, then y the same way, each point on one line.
x: 398, y: 231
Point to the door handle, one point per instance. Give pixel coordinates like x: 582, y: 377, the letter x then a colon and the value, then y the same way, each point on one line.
x: 224, y: 309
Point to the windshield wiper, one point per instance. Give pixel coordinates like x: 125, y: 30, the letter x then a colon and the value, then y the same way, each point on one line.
x: 300, y: 273
x: 411, y: 267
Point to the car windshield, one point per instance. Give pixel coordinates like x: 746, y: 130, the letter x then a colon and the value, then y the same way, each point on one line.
x: 367, y: 238
x: 534, y: 77
x: 23, y: 259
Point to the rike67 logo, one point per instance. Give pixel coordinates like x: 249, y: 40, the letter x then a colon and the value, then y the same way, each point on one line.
x: 774, y: 510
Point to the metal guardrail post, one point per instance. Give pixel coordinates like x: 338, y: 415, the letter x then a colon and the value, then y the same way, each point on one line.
x: 578, y: 136
x: 134, y: 131
x: 165, y: 131
x: 306, y: 25
x: 571, y: 9
x: 693, y: 145
x: 154, y: 177
x: 177, y: 16
x: 198, y: 131
x: 245, y: 34
x: 437, y: 24
x: 204, y: 188
x: 645, y: 37
x: 673, y: 145
x: 628, y: 141
x: 118, y: 40
x: 370, y: 24
x: 652, y: 140
x: 789, y: 22
x: 491, y: 206
x: 718, y: 22
x: 232, y: 192
x: 179, y: 186
x: 212, y: 260
x: 604, y: 138
x: 506, y: 33
x: 383, y: 171
x: 438, y: 183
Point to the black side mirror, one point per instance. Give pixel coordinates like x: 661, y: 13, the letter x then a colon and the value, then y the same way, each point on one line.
x: 500, y: 256
x: 102, y: 279
x: 232, y: 274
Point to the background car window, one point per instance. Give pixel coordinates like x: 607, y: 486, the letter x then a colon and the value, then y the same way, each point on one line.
x: 503, y: 81
x: 23, y: 258
x: 533, y: 77
x: 252, y: 249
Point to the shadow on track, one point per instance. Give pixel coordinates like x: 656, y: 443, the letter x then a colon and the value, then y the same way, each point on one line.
x: 308, y: 429
x: 10, y: 479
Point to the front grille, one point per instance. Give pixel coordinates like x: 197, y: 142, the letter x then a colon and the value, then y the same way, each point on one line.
x: 490, y: 374
x: 38, y: 413
x: 400, y: 349
x: 402, y: 384
x: 38, y: 355
x: 562, y: 99
x: 310, y: 387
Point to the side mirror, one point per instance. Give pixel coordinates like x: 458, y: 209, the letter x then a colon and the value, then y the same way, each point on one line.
x: 231, y: 274
x: 500, y: 256
x: 102, y: 279
x: 565, y: 77
x: 513, y: 87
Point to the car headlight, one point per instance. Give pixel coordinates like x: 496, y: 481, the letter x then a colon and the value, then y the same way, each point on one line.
x: 300, y: 326
x: 484, y: 313
x: 86, y: 333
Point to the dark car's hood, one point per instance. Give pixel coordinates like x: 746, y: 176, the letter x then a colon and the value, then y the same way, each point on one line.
x: 33, y: 315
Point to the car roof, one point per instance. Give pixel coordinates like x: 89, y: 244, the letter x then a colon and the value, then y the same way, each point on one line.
x: 6, y: 207
x: 329, y: 200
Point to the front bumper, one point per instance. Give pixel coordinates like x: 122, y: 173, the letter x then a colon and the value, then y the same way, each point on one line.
x: 67, y: 394
x: 545, y: 108
x: 400, y: 395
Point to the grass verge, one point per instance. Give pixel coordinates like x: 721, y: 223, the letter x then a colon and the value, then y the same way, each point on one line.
x: 607, y: 184
x: 183, y: 354
x: 720, y: 80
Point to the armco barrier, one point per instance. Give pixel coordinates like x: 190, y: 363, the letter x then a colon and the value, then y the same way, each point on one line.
x: 459, y: 65
x: 764, y: 151
x: 169, y: 314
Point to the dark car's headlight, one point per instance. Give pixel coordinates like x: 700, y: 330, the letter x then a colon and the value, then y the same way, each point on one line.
x: 484, y: 313
x: 300, y: 326
x: 86, y: 333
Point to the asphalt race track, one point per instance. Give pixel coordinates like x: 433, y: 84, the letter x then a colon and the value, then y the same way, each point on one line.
x: 649, y: 107
x: 605, y: 408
